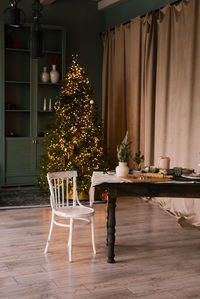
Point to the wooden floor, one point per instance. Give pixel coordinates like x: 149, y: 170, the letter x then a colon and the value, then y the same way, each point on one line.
x: 155, y: 258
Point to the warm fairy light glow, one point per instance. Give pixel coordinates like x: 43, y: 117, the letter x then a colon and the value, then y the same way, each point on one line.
x: 75, y: 139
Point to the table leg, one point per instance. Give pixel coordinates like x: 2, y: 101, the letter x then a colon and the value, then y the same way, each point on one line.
x: 111, y: 227
x: 107, y: 225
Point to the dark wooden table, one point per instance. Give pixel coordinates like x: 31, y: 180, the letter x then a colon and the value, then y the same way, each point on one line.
x: 164, y: 189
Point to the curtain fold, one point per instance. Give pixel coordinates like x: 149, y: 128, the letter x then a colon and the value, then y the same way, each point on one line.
x: 113, y: 108
x: 149, y: 85
x: 133, y: 72
x: 151, y: 75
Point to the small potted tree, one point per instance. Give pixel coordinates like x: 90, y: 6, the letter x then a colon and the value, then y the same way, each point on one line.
x: 123, y: 154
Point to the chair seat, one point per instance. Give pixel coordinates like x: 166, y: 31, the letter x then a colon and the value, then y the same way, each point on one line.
x: 74, y: 211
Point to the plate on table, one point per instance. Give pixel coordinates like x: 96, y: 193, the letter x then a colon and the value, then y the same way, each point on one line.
x: 193, y: 176
x: 187, y: 171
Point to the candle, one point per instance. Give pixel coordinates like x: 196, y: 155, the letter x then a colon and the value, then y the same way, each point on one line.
x: 45, y: 105
x: 49, y: 104
x: 164, y: 163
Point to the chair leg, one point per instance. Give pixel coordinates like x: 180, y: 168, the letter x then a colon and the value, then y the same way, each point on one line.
x: 50, y: 233
x: 92, y: 230
x: 68, y: 244
x: 70, y: 239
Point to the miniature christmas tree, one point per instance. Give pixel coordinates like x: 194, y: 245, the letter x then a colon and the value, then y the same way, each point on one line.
x: 124, y: 150
x: 75, y: 138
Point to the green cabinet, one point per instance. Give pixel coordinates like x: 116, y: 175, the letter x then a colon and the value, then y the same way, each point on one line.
x: 23, y: 119
x: 20, y: 160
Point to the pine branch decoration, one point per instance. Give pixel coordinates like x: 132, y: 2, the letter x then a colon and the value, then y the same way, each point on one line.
x: 124, y: 150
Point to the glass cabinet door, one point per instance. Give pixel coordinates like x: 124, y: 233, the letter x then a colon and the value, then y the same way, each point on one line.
x: 17, y: 82
x: 27, y: 101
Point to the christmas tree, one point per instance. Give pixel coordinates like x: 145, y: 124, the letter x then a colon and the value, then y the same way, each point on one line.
x: 75, y: 138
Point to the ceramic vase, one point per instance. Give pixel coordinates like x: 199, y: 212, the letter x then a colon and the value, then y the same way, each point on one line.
x: 164, y: 163
x: 45, y: 75
x: 122, y: 169
x: 54, y: 74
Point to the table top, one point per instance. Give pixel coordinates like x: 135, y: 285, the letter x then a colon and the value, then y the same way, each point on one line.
x: 172, y: 188
x: 99, y: 178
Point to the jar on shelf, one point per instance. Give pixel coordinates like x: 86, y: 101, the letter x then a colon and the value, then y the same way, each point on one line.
x: 45, y: 75
x: 54, y: 74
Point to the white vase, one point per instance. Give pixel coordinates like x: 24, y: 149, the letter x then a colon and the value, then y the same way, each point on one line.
x: 122, y: 169
x: 45, y: 75
x: 54, y: 74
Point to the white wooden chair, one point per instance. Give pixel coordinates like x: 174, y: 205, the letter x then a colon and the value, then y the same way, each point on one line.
x: 64, y: 209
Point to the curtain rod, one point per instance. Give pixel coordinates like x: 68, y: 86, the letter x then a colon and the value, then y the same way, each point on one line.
x: 155, y: 10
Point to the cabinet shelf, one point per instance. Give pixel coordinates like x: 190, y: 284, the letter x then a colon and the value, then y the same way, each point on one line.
x: 17, y: 110
x: 52, y: 52
x: 49, y: 83
x: 18, y: 138
x: 17, y: 82
x: 41, y: 111
x: 17, y: 50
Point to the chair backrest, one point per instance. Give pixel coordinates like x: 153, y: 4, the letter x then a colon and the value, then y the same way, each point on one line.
x: 60, y: 185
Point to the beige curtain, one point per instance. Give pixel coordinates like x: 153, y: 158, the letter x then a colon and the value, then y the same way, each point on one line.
x: 151, y: 87
x: 114, y: 107
x: 177, y: 123
x: 129, y: 76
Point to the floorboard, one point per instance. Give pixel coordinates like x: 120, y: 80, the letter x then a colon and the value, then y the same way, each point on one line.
x: 155, y: 257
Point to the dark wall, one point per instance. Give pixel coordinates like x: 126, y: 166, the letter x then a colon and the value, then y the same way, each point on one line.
x: 83, y: 24
x: 130, y: 9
